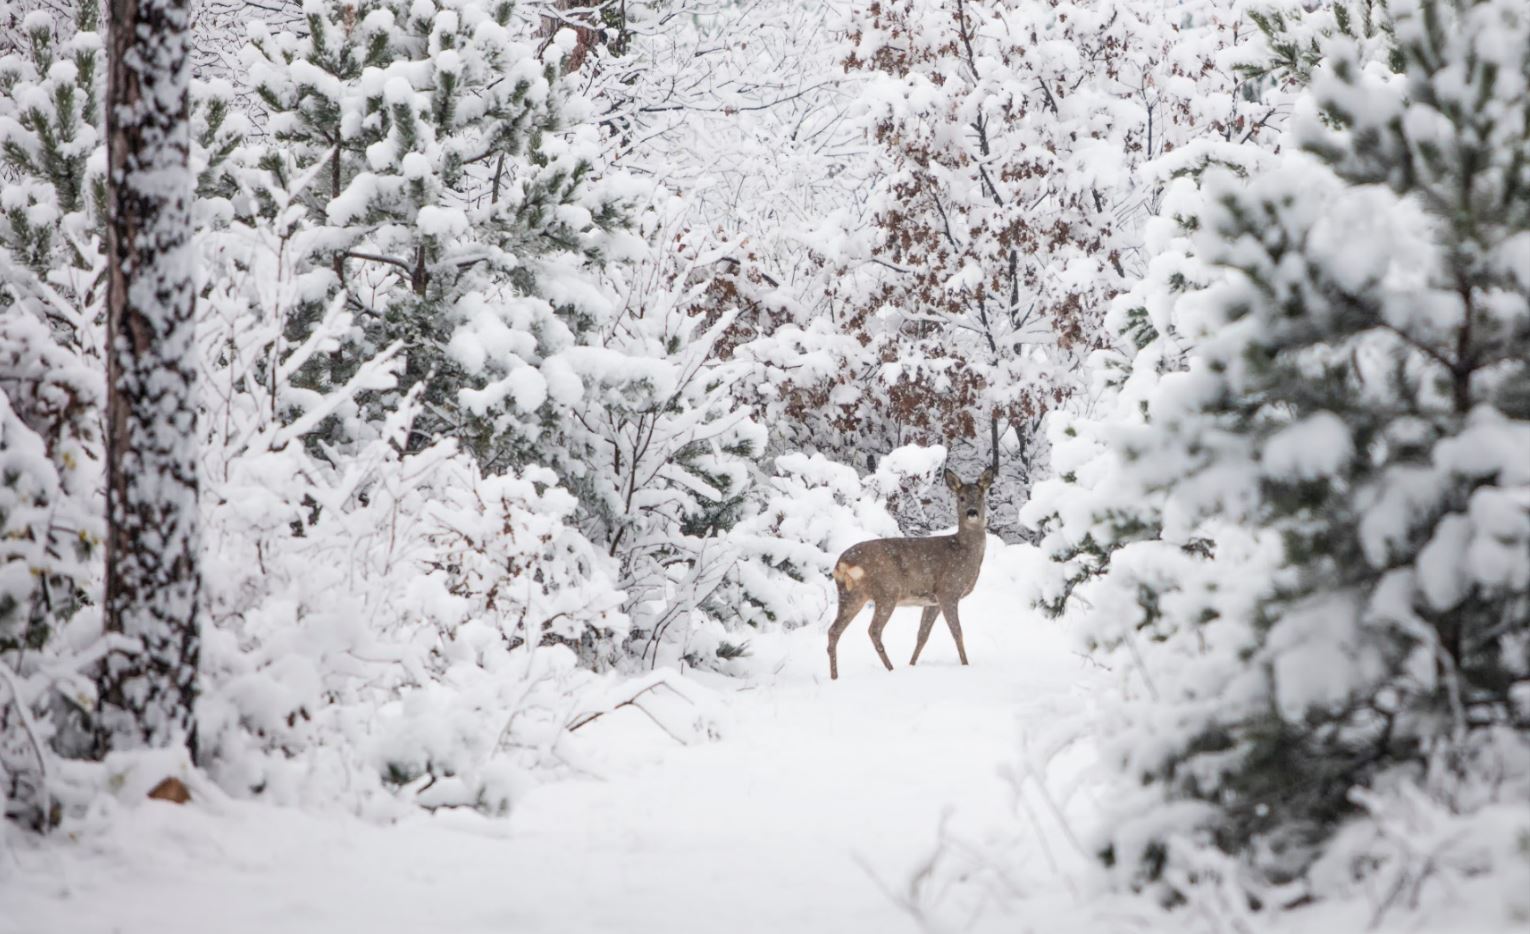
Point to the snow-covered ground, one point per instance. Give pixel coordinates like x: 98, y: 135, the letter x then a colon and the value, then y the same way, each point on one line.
x: 811, y: 812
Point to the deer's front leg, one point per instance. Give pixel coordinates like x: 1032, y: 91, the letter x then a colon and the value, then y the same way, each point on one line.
x: 849, y: 605
x: 878, y: 623
x: 948, y: 607
x: 926, y: 624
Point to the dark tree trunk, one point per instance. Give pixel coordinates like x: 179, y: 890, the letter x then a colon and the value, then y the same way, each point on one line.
x: 152, y: 580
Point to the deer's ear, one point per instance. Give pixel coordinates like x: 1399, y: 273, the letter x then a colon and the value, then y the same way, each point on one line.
x: 986, y: 480
x: 952, y: 480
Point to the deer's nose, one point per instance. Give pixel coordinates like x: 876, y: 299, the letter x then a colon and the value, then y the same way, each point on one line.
x: 972, y: 513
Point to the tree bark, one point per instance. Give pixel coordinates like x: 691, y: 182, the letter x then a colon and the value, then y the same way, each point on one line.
x: 147, y: 692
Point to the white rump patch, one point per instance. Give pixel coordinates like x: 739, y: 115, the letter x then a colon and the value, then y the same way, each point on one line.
x: 849, y: 574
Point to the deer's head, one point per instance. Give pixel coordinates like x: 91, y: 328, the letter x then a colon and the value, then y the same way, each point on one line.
x: 971, y: 499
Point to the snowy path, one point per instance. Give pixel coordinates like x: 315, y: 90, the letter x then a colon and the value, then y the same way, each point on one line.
x: 816, y: 790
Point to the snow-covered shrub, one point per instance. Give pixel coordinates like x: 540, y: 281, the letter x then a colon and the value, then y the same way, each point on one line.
x: 661, y: 452
x: 50, y: 536
x: 509, y: 546
x: 1437, y: 844
x: 813, y: 510
x: 50, y: 459
x: 411, y: 627
x: 465, y: 218
x: 382, y: 619
x: 1013, y: 136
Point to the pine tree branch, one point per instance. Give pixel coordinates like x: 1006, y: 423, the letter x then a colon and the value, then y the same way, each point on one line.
x: 375, y: 258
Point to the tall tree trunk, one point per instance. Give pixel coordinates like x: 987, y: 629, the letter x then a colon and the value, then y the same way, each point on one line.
x: 152, y: 580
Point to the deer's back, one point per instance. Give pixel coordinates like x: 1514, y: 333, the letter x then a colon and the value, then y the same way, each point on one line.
x: 913, y: 571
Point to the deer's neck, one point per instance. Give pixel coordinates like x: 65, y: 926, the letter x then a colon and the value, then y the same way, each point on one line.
x: 971, y: 537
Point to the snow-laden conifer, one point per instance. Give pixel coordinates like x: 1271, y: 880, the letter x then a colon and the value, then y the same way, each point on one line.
x: 456, y: 180
x: 1304, y: 532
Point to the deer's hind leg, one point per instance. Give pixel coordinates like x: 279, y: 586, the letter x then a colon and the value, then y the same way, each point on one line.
x: 850, y: 603
x: 878, y: 623
x: 926, y: 623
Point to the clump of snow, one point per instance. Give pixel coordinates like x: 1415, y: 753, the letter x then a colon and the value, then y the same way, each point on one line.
x: 1317, y: 446
x: 416, y: 166
x: 441, y: 222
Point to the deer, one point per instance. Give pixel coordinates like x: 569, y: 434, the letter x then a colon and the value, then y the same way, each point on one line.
x: 934, y: 572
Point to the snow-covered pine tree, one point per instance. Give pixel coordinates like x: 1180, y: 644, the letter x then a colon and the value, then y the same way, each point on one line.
x: 49, y: 109
x: 1351, y: 433
x: 152, y: 552
x: 51, y: 389
x: 456, y: 177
